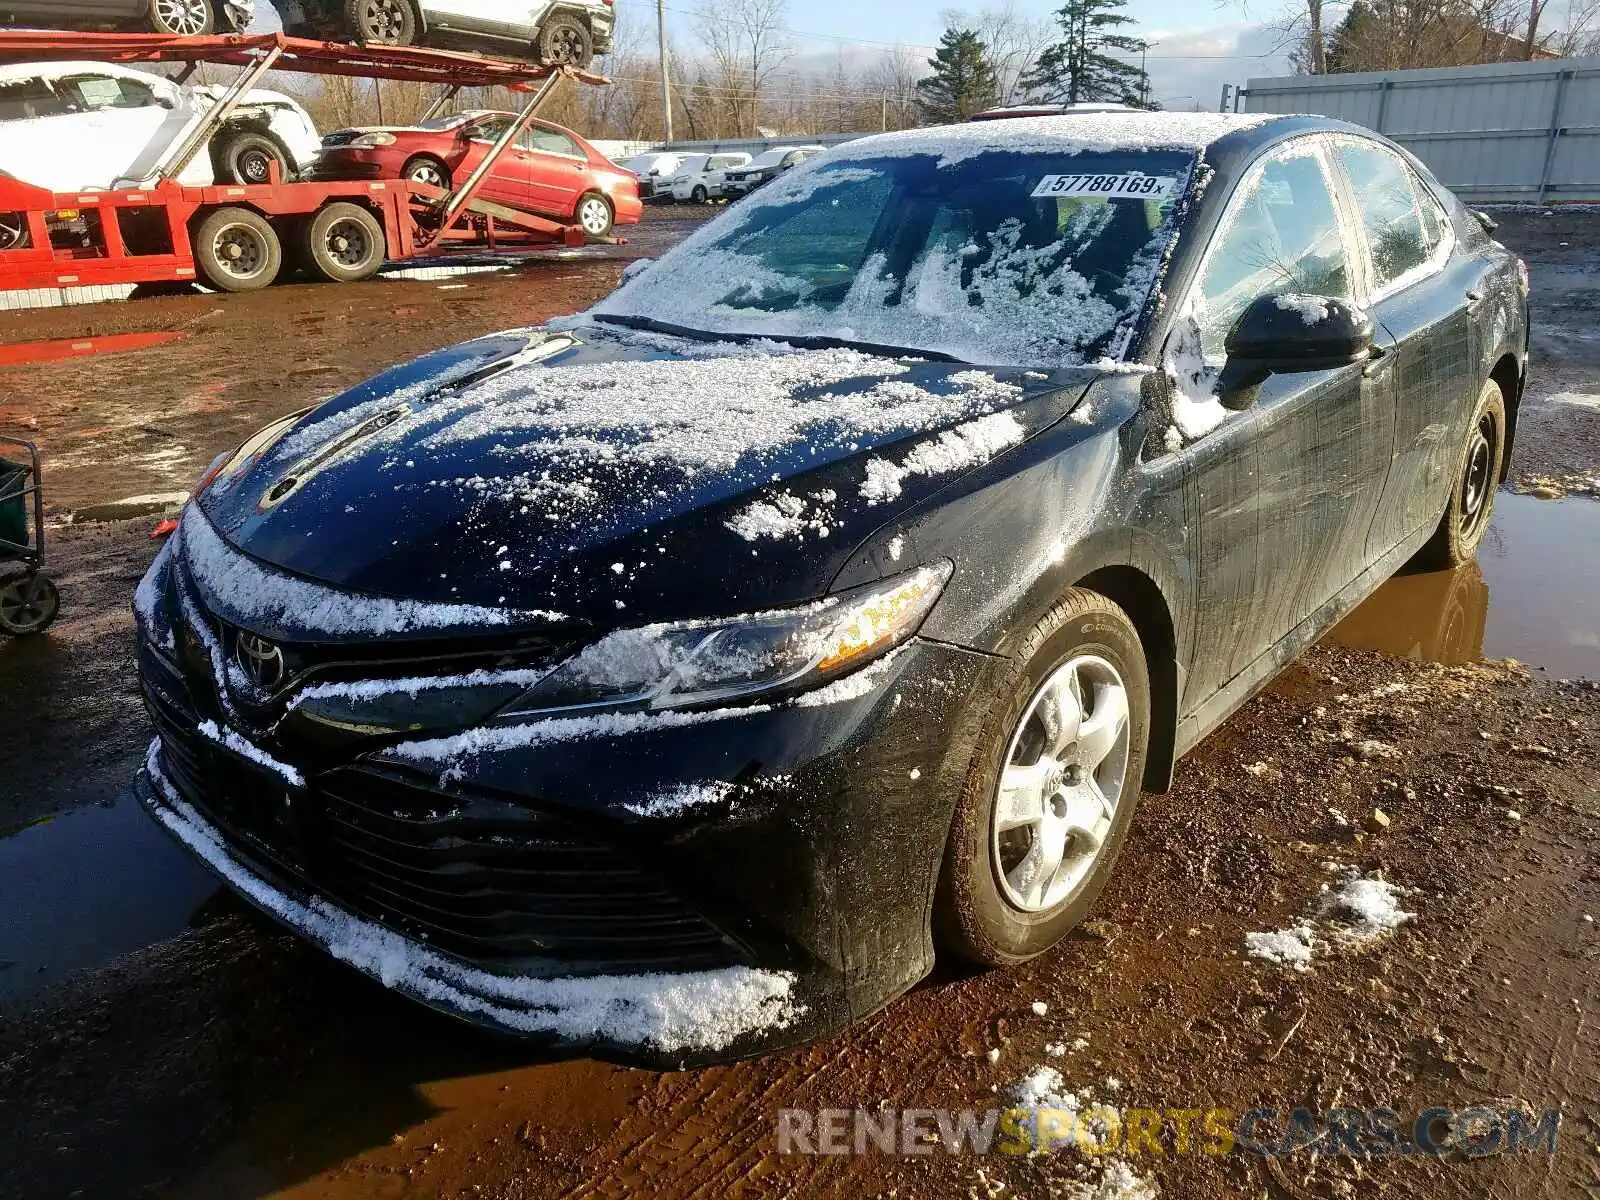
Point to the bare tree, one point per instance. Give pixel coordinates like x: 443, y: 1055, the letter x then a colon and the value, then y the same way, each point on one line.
x: 746, y: 45
x: 894, y: 77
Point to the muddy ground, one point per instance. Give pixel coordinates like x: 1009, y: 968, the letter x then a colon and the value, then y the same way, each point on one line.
x: 157, y: 1040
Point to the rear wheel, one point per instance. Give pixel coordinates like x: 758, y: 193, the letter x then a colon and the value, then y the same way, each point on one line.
x: 1478, y: 470
x: 700, y: 194
x: 565, y: 41
x: 381, y: 22
x: 247, y: 156
x: 235, y: 250
x: 429, y: 170
x: 28, y: 604
x: 594, y: 214
x: 1052, y: 790
x: 344, y: 243
x: 182, y: 18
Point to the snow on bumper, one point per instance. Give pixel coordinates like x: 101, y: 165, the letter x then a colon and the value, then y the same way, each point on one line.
x: 682, y: 1012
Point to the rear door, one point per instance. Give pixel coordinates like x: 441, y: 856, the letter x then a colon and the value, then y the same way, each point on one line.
x: 1425, y: 299
x: 558, y: 169
x: 508, y: 180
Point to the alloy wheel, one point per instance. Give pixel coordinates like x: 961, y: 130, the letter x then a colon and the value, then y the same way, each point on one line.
x: 595, y: 216
x: 382, y: 20
x: 566, y: 46
x: 1064, y: 775
x: 427, y: 173
x: 184, y: 17
x: 13, y: 231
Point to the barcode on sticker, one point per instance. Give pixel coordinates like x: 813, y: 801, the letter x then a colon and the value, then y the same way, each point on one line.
x: 1109, y: 187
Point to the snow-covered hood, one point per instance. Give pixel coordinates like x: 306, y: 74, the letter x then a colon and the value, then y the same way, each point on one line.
x: 617, y: 476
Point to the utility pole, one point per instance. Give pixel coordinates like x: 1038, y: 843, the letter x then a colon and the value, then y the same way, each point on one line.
x: 885, y: 110
x: 666, y: 72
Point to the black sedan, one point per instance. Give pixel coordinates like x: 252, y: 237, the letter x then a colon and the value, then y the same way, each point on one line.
x: 673, y: 680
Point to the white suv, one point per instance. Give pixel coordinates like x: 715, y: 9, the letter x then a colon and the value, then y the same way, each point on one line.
x: 699, y: 177
x: 569, y: 32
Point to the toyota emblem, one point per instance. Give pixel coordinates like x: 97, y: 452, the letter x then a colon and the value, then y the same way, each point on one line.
x: 261, y: 661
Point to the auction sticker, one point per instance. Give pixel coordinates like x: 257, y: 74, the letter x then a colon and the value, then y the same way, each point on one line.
x: 1109, y: 187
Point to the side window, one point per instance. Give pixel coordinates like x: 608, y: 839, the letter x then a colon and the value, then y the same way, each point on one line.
x: 1282, y: 235
x: 90, y: 93
x: 490, y: 129
x: 1396, y: 236
x: 550, y: 141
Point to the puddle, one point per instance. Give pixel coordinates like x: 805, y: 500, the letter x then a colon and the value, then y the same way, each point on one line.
x: 1533, y: 595
x: 28, y: 353
x: 86, y: 887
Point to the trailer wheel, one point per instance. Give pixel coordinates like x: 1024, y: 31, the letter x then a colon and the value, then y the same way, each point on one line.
x: 235, y: 250
x: 594, y: 214
x: 183, y: 18
x: 565, y: 41
x: 345, y: 244
x: 246, y: 156
x: 381, y: 22
x: 13, y: 231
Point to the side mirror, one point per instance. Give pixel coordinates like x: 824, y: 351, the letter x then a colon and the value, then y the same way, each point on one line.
x: 1280, y: 335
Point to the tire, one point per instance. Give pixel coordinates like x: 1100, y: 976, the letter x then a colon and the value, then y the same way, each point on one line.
x: 235, y: 250
x: 381, y: 22
x: 245, y: 156
x: 565, y: 40
x: 1479, y: 467
x: 14, y: 233
x: 985, y: 910
x: 28, y: 604
x: 182, y: 18
x: 700, y: 195
x: 594, y: 214
x: 344, y: 243
x: 425, y: 168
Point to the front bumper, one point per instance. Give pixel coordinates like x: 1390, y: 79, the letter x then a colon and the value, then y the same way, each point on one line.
x: 791, y: 896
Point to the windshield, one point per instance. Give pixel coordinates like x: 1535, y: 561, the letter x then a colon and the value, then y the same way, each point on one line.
x: 1000, y: 258
x: 694, y: 164
x: 770, y: 158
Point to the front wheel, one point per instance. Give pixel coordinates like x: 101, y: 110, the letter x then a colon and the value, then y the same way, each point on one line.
x: 594, y: 214
x: 701, y: 195
x: 1478, y: 470
x: 565, y: 42
x: 1051, y: 793
x: 381, y: 22
x: 246, y: 156
x: 429, y: 170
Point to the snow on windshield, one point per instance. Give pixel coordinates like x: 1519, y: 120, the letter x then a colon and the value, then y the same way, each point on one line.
x: 940, y: 243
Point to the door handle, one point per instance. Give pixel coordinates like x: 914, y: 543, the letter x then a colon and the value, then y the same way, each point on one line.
x: 1378, y: 361
x: 1474, y: 301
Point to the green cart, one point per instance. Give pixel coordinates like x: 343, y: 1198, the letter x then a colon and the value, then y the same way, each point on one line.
x: 28, y: 597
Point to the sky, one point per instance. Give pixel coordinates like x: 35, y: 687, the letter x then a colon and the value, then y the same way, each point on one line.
x: 1193, y: 54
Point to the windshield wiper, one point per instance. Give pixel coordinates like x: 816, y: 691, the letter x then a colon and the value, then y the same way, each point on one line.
x: 805, y: 341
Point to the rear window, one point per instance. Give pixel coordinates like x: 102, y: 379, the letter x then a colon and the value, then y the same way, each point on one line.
x: 1001, y: 258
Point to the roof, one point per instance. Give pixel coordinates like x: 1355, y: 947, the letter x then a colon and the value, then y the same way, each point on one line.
x: 56, y: 69
x: 1071, y: 133
x: 298, y: 54
x: 1047, y: 110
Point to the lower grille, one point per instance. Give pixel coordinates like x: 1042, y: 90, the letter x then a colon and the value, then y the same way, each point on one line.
x: 496, y: 881
x: 484, y: 879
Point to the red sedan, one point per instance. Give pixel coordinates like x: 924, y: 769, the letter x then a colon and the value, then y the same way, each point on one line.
x: 550, y: 170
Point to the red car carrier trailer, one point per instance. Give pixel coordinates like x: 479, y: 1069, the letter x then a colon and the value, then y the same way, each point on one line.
x: 237, y: 238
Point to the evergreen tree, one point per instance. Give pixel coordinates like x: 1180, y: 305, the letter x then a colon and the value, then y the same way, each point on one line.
x: 963, y: 80
x: 1078, y: 68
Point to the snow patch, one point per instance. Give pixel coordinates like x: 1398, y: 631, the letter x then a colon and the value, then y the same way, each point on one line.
x: 953, y: 450
x: 785, y: 515
x: 852, y: 687
x: 1313, y: 310
x: 147, y: 598
x: 247, y: 593
x: 1287, y: 947
x: 674, y: 1012
x: 245, y: 749
x: 1354, y: 914
x: 682, y: 798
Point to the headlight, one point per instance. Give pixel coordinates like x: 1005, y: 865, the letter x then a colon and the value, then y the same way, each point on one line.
x: 709, y: 662
x: 368, y: 140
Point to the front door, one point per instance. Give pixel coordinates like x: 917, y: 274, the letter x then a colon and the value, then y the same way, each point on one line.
x: 1284, y: 492
x: 558, y: 170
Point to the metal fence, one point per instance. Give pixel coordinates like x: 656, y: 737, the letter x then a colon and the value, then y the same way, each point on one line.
x: 1503, y: 132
